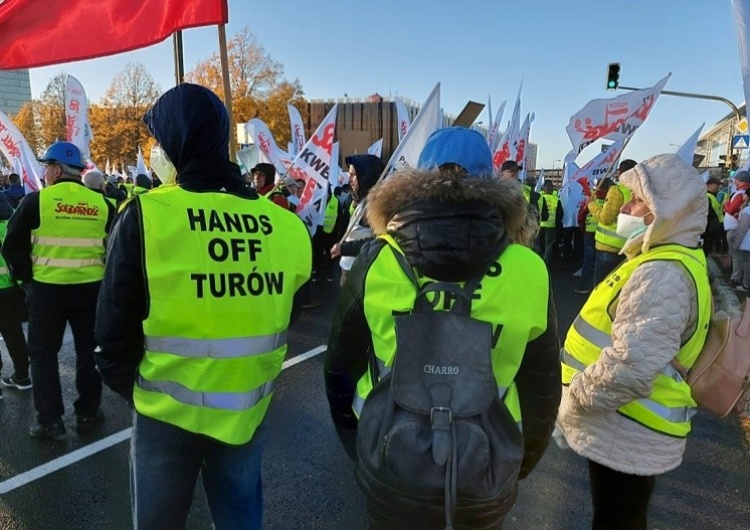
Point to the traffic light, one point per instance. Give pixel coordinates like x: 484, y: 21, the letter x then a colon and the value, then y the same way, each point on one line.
x: 613, y: 76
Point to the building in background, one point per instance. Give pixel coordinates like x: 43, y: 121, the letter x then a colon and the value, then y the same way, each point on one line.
x: 713, y: 149
x: 15, y: 90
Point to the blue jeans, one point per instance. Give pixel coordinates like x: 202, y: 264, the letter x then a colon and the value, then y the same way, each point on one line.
x: 164, y: 465
x: 606, y: 262
x: 589, y: 261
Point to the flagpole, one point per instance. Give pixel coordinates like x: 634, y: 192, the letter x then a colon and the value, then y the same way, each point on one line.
x: 227, y: 90
x: 179, y: 63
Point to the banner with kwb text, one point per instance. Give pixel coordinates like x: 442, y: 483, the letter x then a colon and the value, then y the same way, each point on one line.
x: 34, y: 33
x: 612, y: 119
x: 298, y: 131
x: 261, y: 135
x: 77, y: 128
x: 599, y: 166
x: 313, y: 165
x: 18, y: 152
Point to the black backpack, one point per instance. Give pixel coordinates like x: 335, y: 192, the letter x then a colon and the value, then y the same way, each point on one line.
x: 434, y: 431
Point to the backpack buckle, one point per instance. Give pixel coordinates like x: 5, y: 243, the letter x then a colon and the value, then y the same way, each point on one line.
x: 441, y: 410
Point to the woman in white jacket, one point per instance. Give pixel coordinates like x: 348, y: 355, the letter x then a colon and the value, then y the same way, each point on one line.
x: 742, y: 242
x: 624, y: 407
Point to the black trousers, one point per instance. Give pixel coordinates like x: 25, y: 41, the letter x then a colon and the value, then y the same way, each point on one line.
x: 51, y: 307
x: 322, y: 260
x: 620, y: 500
x: 12, y: 310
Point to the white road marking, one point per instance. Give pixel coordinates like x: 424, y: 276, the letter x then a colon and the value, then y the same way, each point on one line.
x: 105, y: 443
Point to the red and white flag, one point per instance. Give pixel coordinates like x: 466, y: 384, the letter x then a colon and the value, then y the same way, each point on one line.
x: 612, y: 119
x: 599, y: 166
x: 494, y: 133
x: 261, y: 135
x: 313, y: 165
x: 77, y: 128
x: 35, y: 33
x: 506, y: 147
x: 522, y: 142
x: 298, y: 131
x: 18, y: 152
x: 402, y: 115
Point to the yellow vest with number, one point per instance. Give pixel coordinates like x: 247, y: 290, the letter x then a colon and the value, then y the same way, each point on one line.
x: 68, y: 247
x: 552, y: 202
x: 513, y: 297
x: 607, y: 234
x: 222, y: 272
x: 5, y: 281
x: 670, y: 406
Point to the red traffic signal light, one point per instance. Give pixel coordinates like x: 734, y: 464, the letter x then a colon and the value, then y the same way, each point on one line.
x: 613, y: 76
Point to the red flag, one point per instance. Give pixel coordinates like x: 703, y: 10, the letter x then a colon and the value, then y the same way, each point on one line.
x: 34, y: 33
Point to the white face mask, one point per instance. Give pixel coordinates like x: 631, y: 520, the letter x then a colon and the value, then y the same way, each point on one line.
x: 627, y: 224
x: 163, y: 166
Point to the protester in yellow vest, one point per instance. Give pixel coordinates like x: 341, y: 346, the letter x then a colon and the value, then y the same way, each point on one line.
x: 56, y: 243
x: 11, y: 314
x: 548, y: 227
x: 324, y: 239
x: 608, y: 242
x: 142, y: 184
x: 450, y: 224
x: 625, y: 407
x: 588, y: 224
x: 193, y: 319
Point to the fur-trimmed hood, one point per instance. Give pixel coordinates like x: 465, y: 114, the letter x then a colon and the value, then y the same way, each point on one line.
x: 448, y: 224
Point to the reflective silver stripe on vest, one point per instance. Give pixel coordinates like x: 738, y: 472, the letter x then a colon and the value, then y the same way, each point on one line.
x: 571, y: 361
x: 672, y: 373
x: 383, y: 370
x: 357, y: 404
x: 65, y: 263
x: 217, y: 348
x: 674, y: 415
x: 501, y: 391
x: 4, y: 270
x: 610, y: 233
x: 591, y: 334
x: 235, y: 401
x: 67, y: 241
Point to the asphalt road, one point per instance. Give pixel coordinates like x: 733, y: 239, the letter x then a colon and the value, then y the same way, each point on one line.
x: 308, y: 479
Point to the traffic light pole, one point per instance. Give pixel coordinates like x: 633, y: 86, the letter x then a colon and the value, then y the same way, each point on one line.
x: 695, y: 96
x: 730, y: 152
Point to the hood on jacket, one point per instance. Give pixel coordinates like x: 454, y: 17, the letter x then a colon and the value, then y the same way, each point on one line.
x: 368, y: 168
x: 676, y: 195
x: 448, y: 225
x: 190, y: 123
x: 142, y: 181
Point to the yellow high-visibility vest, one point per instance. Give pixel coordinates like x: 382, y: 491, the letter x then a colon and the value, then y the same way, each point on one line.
x: 607, y: 234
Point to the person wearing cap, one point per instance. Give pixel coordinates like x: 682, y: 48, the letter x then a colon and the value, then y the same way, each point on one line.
x: 264, y: 178
x: 193, y: 319
x: 732, y: 211
x: 607, y: 241
x: 742, y: 243
x: 56, y: 244
x: 715, y: 222
x: 364, y: 172
x: 15, y: 191
x: 451, y: 221
x: 625, y: 407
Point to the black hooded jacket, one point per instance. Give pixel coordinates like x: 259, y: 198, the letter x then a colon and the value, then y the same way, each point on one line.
x: 193, y: 130
x: 447, y: 230
x: 368, y: 169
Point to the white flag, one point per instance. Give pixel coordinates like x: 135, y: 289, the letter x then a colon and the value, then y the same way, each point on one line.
x: 402, y: 115
x: 427, y: 122
x: 19, y: 154
x: 261, y: 135
x: 687, y: 151
x: 108, y: 168
x: 613, y: 119
x: 706, y: 175
x: 140, y: 165
x: 494, y: 133
x: 77, y: 129
x: 599, y: 166
x: 313, y: 165
x: 540, y: 181
x: 298, y: 130
x: 742, y: 19
x: 522, y: 143
x: 376, y: 148
x: 333, y: 175
x: 506, y: 146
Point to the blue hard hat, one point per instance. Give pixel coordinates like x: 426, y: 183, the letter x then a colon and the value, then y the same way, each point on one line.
x: 63, y: 153
x: 460, y: 146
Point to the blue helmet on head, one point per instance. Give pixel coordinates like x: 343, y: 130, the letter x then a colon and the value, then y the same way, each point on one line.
x: 457, y: 146
x: 64, y: 153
